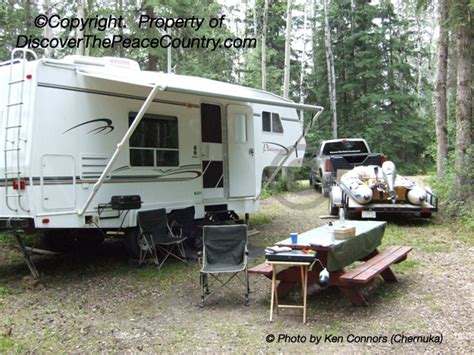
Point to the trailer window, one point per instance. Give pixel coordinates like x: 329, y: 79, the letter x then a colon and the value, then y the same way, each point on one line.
x: 271, y: 122
x: 155, y: 141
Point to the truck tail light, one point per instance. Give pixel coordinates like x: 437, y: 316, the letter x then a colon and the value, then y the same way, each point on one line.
x: 15, y: 184
x: 327, y: 165
x: 382, y: 158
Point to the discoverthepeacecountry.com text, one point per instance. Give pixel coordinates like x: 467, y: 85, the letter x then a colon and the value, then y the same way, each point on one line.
x: 162, y: 25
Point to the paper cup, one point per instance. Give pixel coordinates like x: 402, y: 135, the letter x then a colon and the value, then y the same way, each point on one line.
x: 294, y: 238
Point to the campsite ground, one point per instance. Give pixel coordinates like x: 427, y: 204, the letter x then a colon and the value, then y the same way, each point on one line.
x: 98, y: 301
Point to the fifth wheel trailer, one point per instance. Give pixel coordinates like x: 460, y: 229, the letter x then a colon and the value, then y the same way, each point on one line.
x: 79, y: 130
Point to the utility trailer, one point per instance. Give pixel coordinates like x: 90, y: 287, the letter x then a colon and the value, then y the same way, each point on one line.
x: 372, y: 190
x: 80, y: 131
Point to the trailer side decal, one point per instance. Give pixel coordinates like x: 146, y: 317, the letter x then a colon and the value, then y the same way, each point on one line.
x: 107, y: 126
x: 267, y: 147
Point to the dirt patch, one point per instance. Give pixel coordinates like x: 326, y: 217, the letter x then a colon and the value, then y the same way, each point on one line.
x: 97, y: 301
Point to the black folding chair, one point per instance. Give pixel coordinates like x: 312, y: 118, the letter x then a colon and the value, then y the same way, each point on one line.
x: 224, y: 252
x: 156, y: 235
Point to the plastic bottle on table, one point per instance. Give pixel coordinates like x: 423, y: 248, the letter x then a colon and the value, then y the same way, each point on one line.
x: 342, y: 216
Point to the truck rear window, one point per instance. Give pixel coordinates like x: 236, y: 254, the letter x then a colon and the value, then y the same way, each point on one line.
x: 347, y: 147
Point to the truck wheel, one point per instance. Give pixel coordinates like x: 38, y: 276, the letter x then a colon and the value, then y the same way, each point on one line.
x: 133, y: 242
x: 333, y: 210
x: 312, y: 182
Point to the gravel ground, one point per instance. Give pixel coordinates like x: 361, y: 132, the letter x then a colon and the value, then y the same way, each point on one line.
x: 98, y: 301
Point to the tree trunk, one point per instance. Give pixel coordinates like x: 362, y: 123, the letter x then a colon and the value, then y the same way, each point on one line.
x: 286, y: 71
x: 152, y: 60
x: 47, y: 31
x: 119, y: 8
x: 254, y: 13
x: 440, y: 90
x: 463, y: 101
x: 80, y: 34
x: 264, y: 46
x: 303, y: 55
x: 331, y: 71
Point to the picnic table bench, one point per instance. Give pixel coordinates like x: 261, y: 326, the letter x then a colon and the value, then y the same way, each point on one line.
x: 362, y: 247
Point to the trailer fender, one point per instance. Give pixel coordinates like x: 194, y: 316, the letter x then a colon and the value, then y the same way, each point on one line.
x: 336, y: 196
x: 326, y: 184
x: 335, y: 201
x: 326, y: 178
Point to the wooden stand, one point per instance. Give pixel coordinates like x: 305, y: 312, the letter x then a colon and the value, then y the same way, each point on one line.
x: 304, y: 286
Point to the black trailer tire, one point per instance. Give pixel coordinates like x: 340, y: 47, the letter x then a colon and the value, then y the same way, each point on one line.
x: 333, y: 210
x: 64, y: 240
x: 326, y: 189
x: 59, y: 240
x: 89, y: 238
x: 132, y: 242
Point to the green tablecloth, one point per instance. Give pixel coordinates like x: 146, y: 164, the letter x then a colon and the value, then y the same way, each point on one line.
x: 344, y: 252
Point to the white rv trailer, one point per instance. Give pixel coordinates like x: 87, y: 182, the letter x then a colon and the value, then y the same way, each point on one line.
x: 79, y: 130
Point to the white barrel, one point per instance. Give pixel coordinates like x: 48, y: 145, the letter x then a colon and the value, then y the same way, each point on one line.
x: 362, y: 194
x: 417, y: 195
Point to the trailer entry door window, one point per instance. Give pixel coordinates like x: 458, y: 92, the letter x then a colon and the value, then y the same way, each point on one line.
x: 271, y: 122
x: 155, y: 141
x: 240, y: 128
x: 211, y: 126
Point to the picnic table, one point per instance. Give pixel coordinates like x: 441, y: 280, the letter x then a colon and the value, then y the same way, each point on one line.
x: 336, y: 256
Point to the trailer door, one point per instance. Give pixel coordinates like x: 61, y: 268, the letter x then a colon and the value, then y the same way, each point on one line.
x: 241, y: 150
x: 212, y: 151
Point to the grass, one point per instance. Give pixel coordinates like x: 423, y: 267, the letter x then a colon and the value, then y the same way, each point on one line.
x: 405, y: 266
x: 431, y: 238
x: 4, y: 291
x: 170, y: 274
x: 8, y: 345
x: 261, y: 219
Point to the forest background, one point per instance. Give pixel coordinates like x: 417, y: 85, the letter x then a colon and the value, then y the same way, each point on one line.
x: 397, y: 73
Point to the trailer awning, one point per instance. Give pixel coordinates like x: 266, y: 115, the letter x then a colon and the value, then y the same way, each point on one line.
x: 190, y: 85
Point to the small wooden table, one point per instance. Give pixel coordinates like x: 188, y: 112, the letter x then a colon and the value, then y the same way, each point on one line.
x: 304, y: 285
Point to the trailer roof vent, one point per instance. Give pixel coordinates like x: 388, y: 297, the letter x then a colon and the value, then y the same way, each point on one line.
x: 121, y: 63
x: 109, y: 62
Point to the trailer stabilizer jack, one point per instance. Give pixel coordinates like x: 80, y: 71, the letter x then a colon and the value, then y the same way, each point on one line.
x: 19, y: 234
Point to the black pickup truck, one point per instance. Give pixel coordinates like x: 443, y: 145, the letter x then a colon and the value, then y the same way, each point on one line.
x: 339, y: 154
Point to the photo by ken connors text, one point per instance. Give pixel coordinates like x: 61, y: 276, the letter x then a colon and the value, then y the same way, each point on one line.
x: 397, y: 338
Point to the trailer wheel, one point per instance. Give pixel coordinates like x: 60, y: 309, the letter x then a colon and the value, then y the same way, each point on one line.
x: 133, y: 242
x: 333, y: 210
x: 326, y: 189
x: 60, y: 240
x: 64, y: 240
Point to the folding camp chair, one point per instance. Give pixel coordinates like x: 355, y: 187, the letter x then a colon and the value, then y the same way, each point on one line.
x: 156, y: 235
x: 224, y: 251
